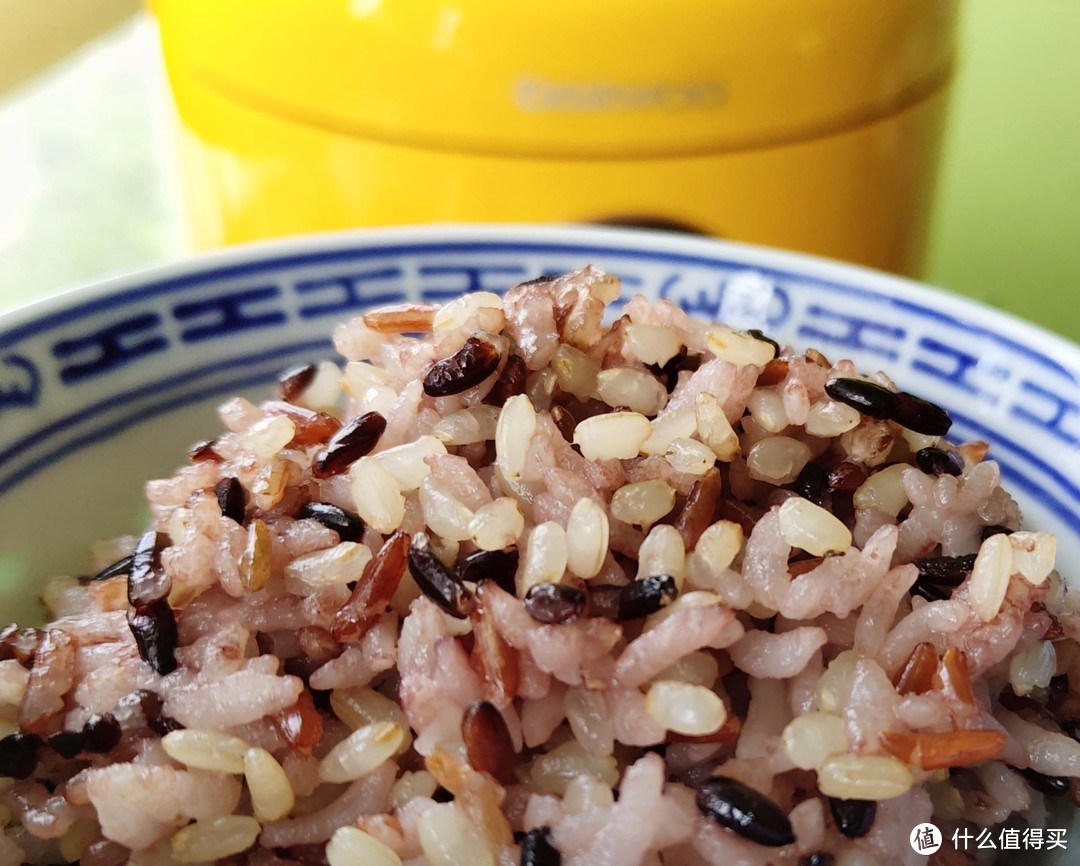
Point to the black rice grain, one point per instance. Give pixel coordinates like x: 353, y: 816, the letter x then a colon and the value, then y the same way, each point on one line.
x: 466, y: 368
x: 1057, y: 691
x: 869, y: 398
x: 499, y: 566
x: 847, y: 477
x: 154, y: 628
x: 19, y: 754
x: 346, y: 524
x: 760, y: 336
x: 1055, y: 786
x: 929, y: 591
x: 818, y: 858
x: 67, y: 744
x: 740, y: 808
x: 231, y: 499
x: 604, y: 601
x: 294, y: 381
x: 853, y: 818
x: 938, y: 461
x: 488, y: 744
x: 921, y: 415
x: 121, y: 566
x: 101, y: 733
x: 435, y: 581
x: 996, y: 529
x: 204, y: 451
x: 538, y: 850
x: 1071, y: 728
x: 510, y: 383
x: 148, y: 582
x: 348, y: 445
x: 152, y: 709
x: 945, y: 570
x: 555, y: 603
x: 813, y: 483
x: 564, y: 421
x: 644, y: 597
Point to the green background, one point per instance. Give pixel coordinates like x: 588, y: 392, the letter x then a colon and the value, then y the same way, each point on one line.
x: 1006, y: 224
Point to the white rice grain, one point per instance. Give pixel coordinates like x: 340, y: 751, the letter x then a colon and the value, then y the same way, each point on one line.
x: 613, y: 436
x: 449, y: 838
x: 408, y: 463
x: 810, y: 527
x: 545, y: 557
x: 363, y: 751
x: 516, y: 425
x: 376, y: 495
x: 586, y: 538
x: 642, y: 503
x: 990, y: 577
x: 498, y: 524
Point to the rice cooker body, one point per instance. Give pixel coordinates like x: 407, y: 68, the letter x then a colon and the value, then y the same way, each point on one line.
x: 808, y: 125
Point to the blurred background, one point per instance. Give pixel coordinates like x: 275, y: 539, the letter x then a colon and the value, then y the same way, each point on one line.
x: 919, y: 136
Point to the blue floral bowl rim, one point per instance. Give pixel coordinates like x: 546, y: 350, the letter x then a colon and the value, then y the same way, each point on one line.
x: 644, y: 243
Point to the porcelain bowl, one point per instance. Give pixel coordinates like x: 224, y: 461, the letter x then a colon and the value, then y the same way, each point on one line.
x: 104, y: 387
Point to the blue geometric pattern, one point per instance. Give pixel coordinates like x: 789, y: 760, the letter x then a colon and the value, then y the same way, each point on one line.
x: 80, y: 373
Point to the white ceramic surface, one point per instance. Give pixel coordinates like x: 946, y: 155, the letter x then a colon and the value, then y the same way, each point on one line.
x: 104, y: 387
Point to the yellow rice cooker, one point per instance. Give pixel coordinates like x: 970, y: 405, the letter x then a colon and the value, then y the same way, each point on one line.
x: 808, y: 124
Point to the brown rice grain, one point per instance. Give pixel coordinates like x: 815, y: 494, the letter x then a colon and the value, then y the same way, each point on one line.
x: 714, y: 429
x: 516, y: 425
x: 545, y: 558
x: 831, y: 418
x: 364, y: 750
x: 216, y: 839
x: 652, y: 344
x: 810, y: 739
x: 665, y: 428
x: 267, y: 436
x: 777, y: 459
x: 739, y: 348
x: 613, y: 436
x: 271, y: 791
x: 662, y: 552
x: 1033, y: 555
x: 634, y: 389
x: 586, y: 538
x: 990, y: 577
x: 864, y: 777
x: 449, y: 838
x: 206, y: 750
x: 684, y: 708
x: 408, y: 463
x: 642, y: 503
x: 376, y: 495
x: 497, y: 525
x: 351, y: 846
x: 812, y: 528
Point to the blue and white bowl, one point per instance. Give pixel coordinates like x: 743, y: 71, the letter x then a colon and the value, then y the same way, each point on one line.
x: 104, y: 387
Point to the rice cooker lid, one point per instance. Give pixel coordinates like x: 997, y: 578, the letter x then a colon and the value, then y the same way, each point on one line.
x: 567, y: 77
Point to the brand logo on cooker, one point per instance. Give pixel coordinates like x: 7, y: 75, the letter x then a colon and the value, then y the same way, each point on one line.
x: 538, y: 94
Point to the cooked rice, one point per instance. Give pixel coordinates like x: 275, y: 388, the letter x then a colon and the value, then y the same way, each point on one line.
x: 534, y: 589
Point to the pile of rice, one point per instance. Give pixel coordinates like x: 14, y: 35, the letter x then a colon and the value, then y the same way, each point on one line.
x: 547, y: 591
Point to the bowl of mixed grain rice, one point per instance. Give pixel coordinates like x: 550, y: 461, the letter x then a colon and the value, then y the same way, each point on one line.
x: 537, y: 546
